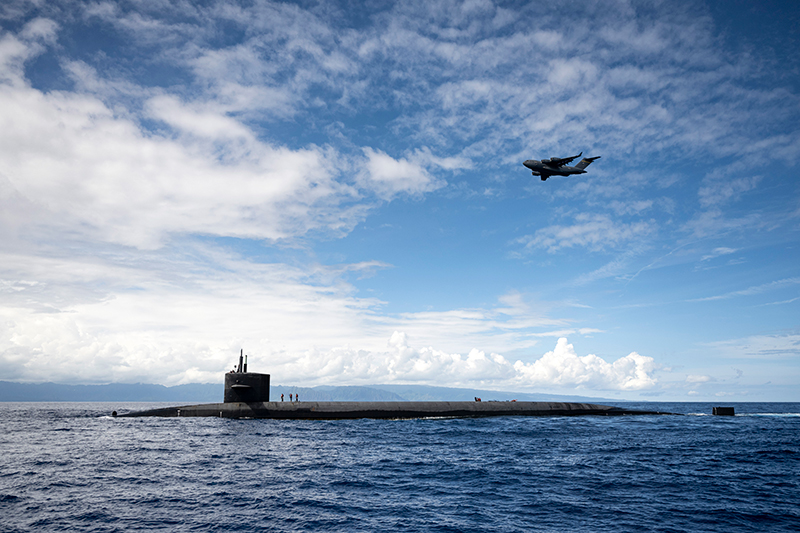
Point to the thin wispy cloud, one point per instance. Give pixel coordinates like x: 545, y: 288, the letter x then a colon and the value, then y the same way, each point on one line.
x: 780, y: 346
x: 594, y: 232
x: 754, y: 290
x: 717, y: 252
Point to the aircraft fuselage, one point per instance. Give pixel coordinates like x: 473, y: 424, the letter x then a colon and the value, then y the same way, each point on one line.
x: 543, y: 169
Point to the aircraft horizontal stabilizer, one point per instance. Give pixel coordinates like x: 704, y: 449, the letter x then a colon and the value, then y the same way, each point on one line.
x: 586, y: 161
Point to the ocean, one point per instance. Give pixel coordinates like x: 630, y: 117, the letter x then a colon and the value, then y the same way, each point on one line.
x: 71, y: 467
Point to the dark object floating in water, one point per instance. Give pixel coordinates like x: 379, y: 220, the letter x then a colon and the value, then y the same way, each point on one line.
x: 723, y: 411
x: 247, y: 396
x: 345, y: 410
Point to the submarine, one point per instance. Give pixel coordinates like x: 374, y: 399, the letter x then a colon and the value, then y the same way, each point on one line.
x: 247, y: 396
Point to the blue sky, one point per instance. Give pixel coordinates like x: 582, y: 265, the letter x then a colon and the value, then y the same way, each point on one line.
x: 337, y: 188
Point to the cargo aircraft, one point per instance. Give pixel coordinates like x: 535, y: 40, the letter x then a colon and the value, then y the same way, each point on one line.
x: 557, y: 166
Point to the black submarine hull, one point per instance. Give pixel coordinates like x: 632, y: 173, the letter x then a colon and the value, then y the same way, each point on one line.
x: 385, y: 410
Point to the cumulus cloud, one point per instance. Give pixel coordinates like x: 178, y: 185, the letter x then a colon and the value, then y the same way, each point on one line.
x: 66, y: 347
x: 156, y: 317
x: 85, y: 169
x: 388, y: 176
x: 161, y: 318
x: 561, y: 367
x: 81, y: 167
x: 166, y: 316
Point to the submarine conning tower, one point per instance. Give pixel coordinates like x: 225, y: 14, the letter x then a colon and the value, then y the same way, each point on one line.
x: 244, y: 386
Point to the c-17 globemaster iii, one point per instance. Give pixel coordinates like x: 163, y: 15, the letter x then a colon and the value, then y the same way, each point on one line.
x: 557, y: 166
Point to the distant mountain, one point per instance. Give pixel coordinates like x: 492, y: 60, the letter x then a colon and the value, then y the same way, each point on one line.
x: 213, y: 392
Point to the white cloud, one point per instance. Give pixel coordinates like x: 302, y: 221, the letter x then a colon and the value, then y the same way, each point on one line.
x: 722, y: 189
x: 388, y: 176
x: 157, y: 312
x: 163, y: 318
x: 621, y: 79
x: 719, y: 251
x: 563, y: 366
x: 81, y: 168
x: 160, y: 318
x: 751, y: 291
x: 86, y: 170
x: 714, y: 222
x: 40, y: 29
x: 617, y: 267
x: 630, y: 208
x: 571, y: 72
x: 423, y: 156
x: 594, y: 231
x: 616, y: 77
x: 782, y: 302
x: 402, y: 363
x: 201, y: 122
x: 63, y: 347
x: 761, y: 347
x: 15, y: 51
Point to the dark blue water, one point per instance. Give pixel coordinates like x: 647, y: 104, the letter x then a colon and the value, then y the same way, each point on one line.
x: 66, y: 466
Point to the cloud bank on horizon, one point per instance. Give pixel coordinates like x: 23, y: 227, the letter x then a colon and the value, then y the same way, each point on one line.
x: 340, y: 191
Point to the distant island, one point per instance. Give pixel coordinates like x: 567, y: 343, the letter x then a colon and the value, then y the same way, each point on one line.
x: 213, y: 392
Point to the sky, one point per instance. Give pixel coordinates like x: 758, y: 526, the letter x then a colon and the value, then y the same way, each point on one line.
x: 337, y: 189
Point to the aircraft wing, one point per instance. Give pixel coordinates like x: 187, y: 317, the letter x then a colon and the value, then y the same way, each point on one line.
x: 561, y: 161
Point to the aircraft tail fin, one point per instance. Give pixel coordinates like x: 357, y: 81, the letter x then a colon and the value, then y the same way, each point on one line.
x: 586, y: 161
